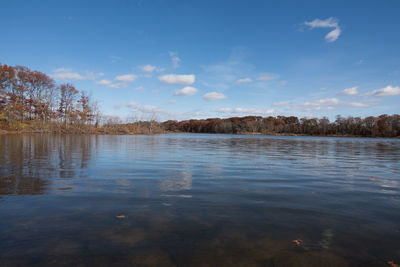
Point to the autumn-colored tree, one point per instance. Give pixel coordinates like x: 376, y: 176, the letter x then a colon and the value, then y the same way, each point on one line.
x: 40, y: 94
x: 68, y: 94
x: 85, y: 111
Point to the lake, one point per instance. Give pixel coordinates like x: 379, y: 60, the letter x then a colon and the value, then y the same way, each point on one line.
x: 199, y: 200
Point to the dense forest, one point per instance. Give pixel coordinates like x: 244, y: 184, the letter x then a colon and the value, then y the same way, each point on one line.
x: 31, y: 101
x: 382, y: 126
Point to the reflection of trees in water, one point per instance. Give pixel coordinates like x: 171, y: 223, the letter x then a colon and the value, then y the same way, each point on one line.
x: 29, y: 162
x: 22, y: 186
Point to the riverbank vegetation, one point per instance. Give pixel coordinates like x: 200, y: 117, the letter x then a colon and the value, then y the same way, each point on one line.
x: 31, y: 101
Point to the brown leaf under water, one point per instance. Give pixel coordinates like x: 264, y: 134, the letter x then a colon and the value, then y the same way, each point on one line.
x: 120, y: 216
x: 298, y: 242
x: 373, y: 178
x: 391, y: 263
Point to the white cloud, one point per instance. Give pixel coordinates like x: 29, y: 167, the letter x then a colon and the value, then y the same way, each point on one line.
x: 244, y: 80
x: 177, y: 79
x: 140, y: 88
x: 186, y: 91
x: 214, y: 96
x: 386, y: 91
x: 172, y: 102
x: 282, y: 103
x: 68, y: 75
x: 333, y: 35
x: 126, y: 78
x: 108, y: 83
x: 326, y: 23
x: 245, y: 111
x: 350, y: 91
x: 175, y: 59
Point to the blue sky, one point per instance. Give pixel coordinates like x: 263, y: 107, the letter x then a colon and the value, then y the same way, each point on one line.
x: 200, y: 59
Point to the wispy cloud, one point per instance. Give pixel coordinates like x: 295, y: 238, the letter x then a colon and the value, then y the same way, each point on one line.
x: 283, y: 83
x: 67, y: 74
x: 350, y: 91
x: 126, y: 78
x: 244, y: 80
x: 140, y: 88
x: 319, y: 104
x: 358, y: 105
x: 155, y: 112
x: 282, y: 103
x: 150, y: 68
x: 136, y: 107
x: 386, y: 91
x: 244, y: 111
x: 186, y: 91
x: 115, y: 59
x: 108, y: 83
x: 328, y: 104
x: 175, y: 59
x: 359, y: 62
x: 214, y: 96
x: 177, y: 79
x: 266, y: 77
x: 122, y: 80
x: 222, y: 75
x: 326, y: 23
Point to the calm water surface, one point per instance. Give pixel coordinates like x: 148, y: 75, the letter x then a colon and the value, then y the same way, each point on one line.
x: 198, y: 200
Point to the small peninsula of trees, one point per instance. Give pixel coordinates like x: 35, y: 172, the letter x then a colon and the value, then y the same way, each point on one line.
x: 30, y: 97
x: 31, y: 101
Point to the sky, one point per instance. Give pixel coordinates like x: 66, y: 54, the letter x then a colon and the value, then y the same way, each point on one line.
x: 172, y: 59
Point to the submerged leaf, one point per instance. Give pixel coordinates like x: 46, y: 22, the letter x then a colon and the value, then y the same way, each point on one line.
x: 391, y: 263
x: 298, y: 242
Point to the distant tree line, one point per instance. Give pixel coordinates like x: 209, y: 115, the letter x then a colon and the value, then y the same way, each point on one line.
x: 28, y: 95
x: 381, y: 126
x: 31, y: 100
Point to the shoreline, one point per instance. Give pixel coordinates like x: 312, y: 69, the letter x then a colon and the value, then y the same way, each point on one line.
x: 101, y: 131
